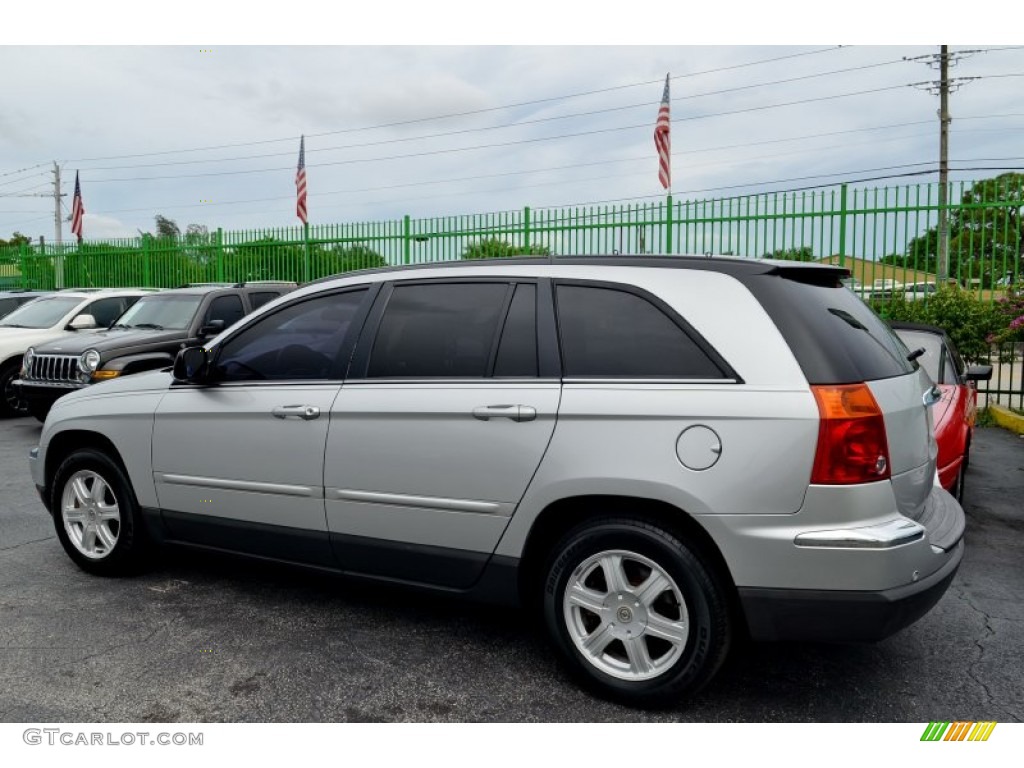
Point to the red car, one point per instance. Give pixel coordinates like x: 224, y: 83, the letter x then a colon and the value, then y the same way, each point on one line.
x: 956, y: 411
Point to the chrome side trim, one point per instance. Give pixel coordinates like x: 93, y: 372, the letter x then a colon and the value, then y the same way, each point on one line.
x: 651, y: 380
x: 426, y: 502
x: 240, y: 485
x: 882, y: 536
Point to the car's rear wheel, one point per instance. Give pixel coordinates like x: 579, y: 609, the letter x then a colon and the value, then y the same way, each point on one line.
x: 634, y: 612
x: 11, y: 402
x: 95, y: 514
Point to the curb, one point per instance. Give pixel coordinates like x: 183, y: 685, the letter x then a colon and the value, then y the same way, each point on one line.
x: 1006, y: 418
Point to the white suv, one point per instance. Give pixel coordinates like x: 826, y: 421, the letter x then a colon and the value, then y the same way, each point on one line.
x: 49, y: 318
x: 655, y: 454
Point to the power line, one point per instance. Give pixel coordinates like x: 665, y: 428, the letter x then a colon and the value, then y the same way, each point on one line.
x: 505, y: 126
x: 468, y: 113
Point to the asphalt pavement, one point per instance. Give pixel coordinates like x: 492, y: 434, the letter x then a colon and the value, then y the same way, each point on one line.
x: 203, y: 638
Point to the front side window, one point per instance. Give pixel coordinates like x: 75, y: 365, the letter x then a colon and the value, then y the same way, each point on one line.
x: 438, y: 330
x: 299, y: 342
x: 606, y: 332
x: 106, y: 311
x: 227, y: 308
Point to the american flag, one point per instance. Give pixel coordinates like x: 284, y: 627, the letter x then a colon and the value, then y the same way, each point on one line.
x: 300, y: 183
x: 77, y: 211
x: 662, y: 133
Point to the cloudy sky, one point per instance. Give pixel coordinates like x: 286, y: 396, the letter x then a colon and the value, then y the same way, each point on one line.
x: 208, y: 133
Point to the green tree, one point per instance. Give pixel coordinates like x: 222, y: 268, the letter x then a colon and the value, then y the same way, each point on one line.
x: 986, y: 237
x: 804, y: 253
x: 493, y: 248
x: 166, y: 228
x: 16, y: 239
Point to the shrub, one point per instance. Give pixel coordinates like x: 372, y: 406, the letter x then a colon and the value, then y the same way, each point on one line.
x: 971, y: 322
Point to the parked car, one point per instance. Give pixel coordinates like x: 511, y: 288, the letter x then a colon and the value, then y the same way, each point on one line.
x: 956, y: 412
x: 11, y: 300
x: 919, y: 291
x: 147, y: 336
x: 58, y: 315
x: 655, y: 454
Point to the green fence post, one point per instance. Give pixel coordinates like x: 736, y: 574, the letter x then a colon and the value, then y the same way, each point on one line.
x: 146, y: 277
x: 526, y: 229
x: 842, y: 226
x: 305, y: 260
x: 220, y: 254
x: 406, y: 238
x: 23, y: 257
x: 668, y: 225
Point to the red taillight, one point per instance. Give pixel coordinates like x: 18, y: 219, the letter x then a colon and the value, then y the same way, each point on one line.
x: 852, y: 446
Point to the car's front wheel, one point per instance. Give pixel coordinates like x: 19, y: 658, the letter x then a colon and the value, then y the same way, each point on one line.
x: 95, y: 514
x: 11, y: 402
x: 634, y: 611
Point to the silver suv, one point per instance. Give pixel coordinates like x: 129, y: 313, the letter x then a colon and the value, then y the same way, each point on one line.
x: 655, y: 454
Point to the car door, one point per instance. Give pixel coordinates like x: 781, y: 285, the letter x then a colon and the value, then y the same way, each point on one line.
x: 239, y: 464
x: 448, y: 409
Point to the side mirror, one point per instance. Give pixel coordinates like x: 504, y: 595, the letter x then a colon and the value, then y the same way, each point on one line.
x: 192, y: 365
x: 83, y: 323
x: 212, y: 328
x: 979, y: 373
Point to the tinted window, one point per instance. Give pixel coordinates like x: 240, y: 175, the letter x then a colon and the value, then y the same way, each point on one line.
x: 301, y: 341
x: 517, y: 351
x: 441, y: 329
x: 170, y: 311
x: 41, y: 313
x: 259, y: 299
x: 226, y: 308
x: 835, y: 336
x: 104, y: 311
x: 6, y: 305
x: 606, y: 332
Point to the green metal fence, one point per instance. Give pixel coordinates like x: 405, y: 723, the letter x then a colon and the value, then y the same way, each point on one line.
x: 885, y: 235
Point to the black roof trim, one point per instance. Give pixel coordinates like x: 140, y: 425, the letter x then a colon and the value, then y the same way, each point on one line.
x: 798, y: 270
x: 908, y: 326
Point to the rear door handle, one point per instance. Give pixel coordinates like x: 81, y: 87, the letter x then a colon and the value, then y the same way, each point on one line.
x: 514, y: 412
x: 305, y: 412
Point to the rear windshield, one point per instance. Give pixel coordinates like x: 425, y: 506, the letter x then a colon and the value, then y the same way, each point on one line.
x: 834, y: 335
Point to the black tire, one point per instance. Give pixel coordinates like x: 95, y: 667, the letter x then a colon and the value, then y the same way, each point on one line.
x: 130, y: 543
x: 704, y: 612
x: 39, y: 410
x: 961, y: 477
x: 11, y: 403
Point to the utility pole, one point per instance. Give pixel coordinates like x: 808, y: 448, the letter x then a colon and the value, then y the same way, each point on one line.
x: 944, y: 121
x: 58, y: 266
x: 943, y: 60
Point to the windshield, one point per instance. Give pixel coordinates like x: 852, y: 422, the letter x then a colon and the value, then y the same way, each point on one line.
x: 160, y: 313
x: 41, y: 313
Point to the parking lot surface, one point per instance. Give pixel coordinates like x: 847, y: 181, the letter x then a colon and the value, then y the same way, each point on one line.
x: 202, y: 638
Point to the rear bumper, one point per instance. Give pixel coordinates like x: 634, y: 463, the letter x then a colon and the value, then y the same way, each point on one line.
x: 844, y: 616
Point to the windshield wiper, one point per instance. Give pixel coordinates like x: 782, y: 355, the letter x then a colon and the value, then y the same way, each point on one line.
x: 153, y: 326
x: 13, y: 325
x: 120, y: 325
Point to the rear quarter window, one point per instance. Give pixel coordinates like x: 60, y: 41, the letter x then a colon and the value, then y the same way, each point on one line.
x: 835, y: 336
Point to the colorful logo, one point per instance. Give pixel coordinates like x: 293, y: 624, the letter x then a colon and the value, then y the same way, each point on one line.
x: 958, y: 731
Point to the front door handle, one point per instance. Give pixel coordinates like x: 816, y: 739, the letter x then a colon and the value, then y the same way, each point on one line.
x: 305, y: 412
x: 513, y: 412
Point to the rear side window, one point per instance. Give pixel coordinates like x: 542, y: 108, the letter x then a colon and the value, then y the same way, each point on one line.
x: 438, y: 330
x: 261, y: 298
x: 613, y: 333
x: 517, y: 351
x: 835, y: 336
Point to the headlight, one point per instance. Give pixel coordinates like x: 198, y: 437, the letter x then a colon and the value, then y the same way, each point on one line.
x: 89, y: 360
x: 26, y: 362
